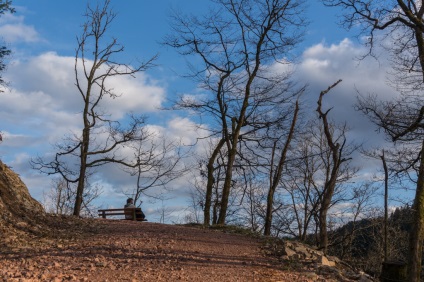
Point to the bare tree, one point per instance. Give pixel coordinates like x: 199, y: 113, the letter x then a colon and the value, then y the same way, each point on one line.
x: 195, y: 208
x: 243, y: 200
x: 101, y: 138
x: 302, y: 181
x: 159, y: 162
x: 359, y: 207
x: 61, y: 197
x: 255, y: 196
x: 307, y: 177
x: 275, y: 176
x: 237, y: 43
x: 211, y: 182
x: 206, y: 184
x: 338, y: 155
x: 165, y: 213
x: 402, y: 22
x: 402, y: 121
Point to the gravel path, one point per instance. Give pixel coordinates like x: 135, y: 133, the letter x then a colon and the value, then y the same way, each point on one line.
x: 142, y: 251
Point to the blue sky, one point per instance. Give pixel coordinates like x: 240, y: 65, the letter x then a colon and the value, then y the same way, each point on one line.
x: 39, y: 106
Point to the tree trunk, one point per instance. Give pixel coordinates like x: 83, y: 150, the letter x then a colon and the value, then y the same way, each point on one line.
x: 275, y: 179
x: 270, y: 197
x: 84, y: 154
x: 215, y: 212
x: 78, y: 198
x: 330, y: 183
x: 59, y: 198
x: 269, y: 210
x: 416, y: 234
x: 211, y: 181
x: 81, y: 181
x: 227, y: 184
x: 237, y: 124
x: 325, y: 205
x: 323, y: 236
x: 386, y: 210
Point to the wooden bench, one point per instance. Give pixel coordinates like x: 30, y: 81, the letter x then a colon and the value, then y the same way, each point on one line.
x: 129, y: 213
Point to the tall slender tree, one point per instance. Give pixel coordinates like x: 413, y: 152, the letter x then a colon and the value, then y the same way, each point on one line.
x: 276, y: 175
x: 337, y: 152
x: 101, y: 138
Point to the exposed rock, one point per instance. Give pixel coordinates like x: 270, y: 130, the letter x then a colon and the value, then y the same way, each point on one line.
x: 14, y: 196
x: 22, y: 218
x: 20, y: 214
x: 323, y: 260
x: 327, y: 268
x: 286, y: 251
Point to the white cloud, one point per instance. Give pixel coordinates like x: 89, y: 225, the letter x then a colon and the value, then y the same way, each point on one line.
x: 17, y: 140
x: 54, y: 75
x: 185, y: 129
x: 47, y: 82
x: 323, y: 65
x: 139, y: 95
x: 13, y: 29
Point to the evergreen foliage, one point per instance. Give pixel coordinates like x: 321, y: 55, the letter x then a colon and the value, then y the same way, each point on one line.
x: 5, y: 6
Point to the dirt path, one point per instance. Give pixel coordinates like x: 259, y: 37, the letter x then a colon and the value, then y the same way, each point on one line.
x: 143, y: 251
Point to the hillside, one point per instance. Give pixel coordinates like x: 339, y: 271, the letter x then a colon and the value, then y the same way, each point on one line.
x: 20, y: 215
x: 139, y: 251
x: 41, y: 247
x: 361, y: 243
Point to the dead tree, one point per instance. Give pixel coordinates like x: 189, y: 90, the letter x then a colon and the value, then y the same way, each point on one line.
x: 337, y: 158
x: 61, y: 197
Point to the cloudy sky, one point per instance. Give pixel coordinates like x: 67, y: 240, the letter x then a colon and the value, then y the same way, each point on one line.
x: 41, y: 104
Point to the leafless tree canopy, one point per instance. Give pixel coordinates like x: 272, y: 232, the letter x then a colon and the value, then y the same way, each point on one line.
x: 401, y: 23
x: 101, y: 138
x: 237, y: 44
x: 159, y: 162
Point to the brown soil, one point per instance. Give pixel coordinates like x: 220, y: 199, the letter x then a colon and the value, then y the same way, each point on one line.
x: 36, y: 246
x: 119, y: 250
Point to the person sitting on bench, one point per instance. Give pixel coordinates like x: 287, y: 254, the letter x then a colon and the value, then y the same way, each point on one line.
x: 138, y: 213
